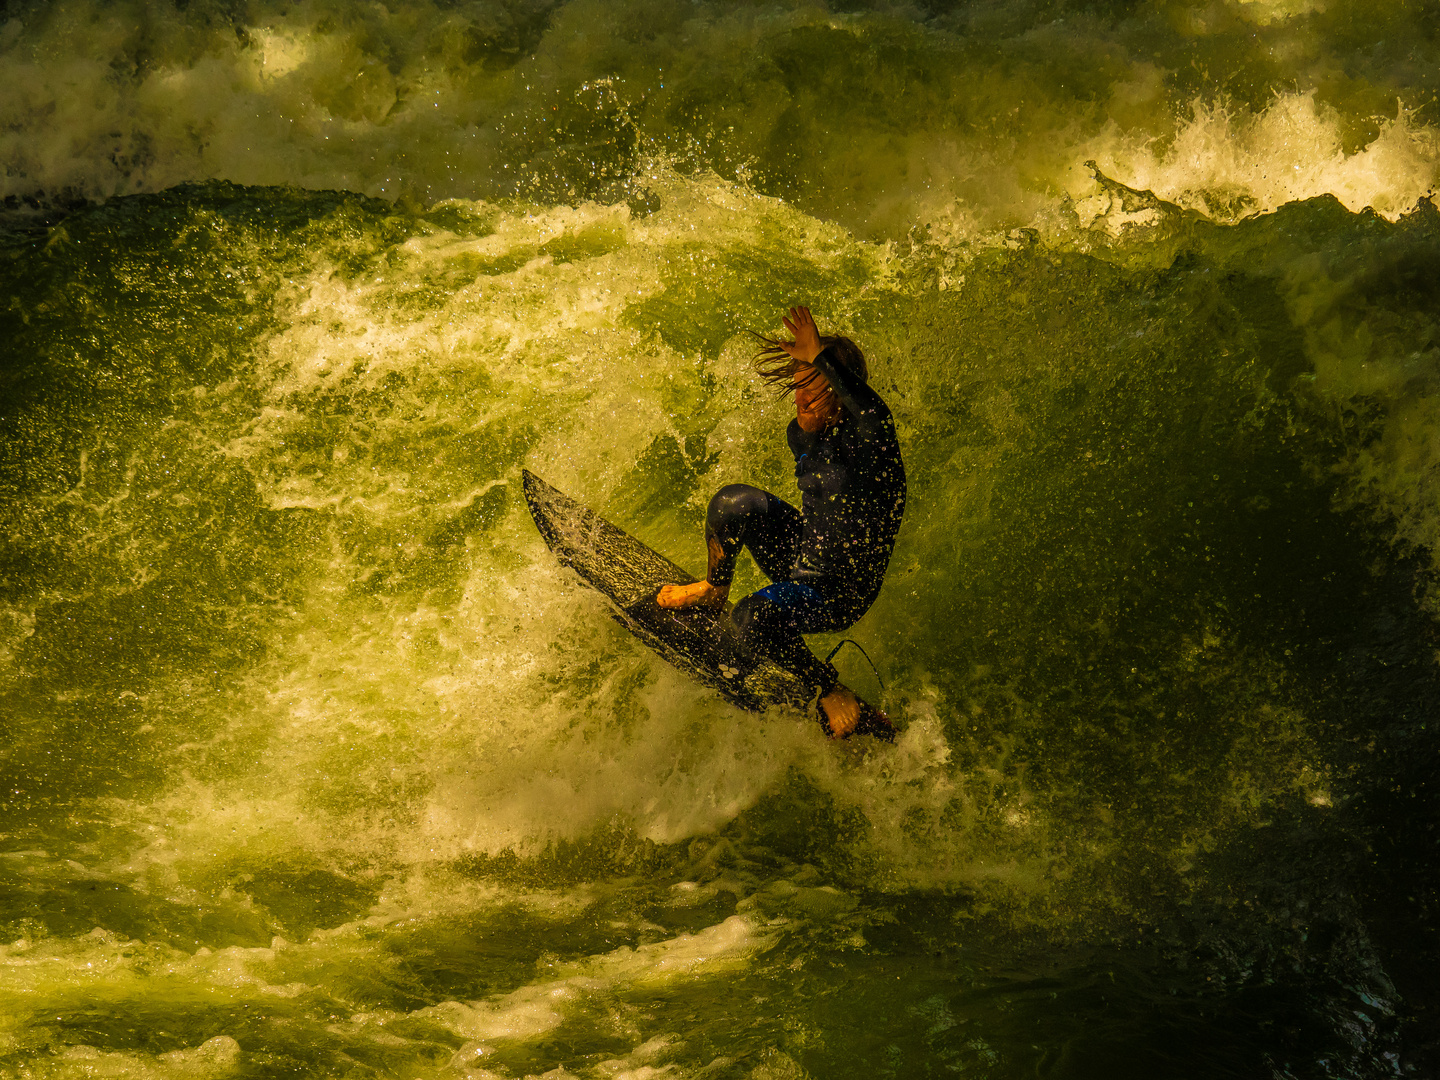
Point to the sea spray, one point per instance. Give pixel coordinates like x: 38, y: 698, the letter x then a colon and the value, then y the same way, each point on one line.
x: 871, y: 116
x: 318, y: 762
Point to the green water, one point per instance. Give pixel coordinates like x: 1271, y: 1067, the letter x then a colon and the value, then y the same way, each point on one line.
x: 317, y: 764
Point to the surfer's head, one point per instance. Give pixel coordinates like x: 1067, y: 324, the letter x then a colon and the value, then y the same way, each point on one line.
x: 816, y: 404
x: 786, y: 374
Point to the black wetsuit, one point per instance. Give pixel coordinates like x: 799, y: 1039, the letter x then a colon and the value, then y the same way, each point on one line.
x: 828, y: 563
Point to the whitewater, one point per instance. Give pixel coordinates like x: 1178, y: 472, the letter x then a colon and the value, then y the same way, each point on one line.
x: 318, y: 764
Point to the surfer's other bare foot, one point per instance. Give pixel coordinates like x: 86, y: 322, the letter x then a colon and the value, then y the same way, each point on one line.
x: 699, y: 592
x: 842, y: 711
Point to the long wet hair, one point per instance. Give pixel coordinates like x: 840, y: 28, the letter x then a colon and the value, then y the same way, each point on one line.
x: 783, y: 373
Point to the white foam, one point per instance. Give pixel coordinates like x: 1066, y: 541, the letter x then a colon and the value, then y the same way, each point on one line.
x: 217, y: 1057
x: 107, y: 99
x: 1231, y: 163
x: 541, y: 1007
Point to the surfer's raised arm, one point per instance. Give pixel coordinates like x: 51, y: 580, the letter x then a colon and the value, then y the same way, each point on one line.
x: 826, y: 561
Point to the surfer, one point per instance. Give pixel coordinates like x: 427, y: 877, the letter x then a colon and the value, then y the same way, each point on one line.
x: 826, y: 561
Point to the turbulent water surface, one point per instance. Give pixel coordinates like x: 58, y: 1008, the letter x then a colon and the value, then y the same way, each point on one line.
x: 317, y: 764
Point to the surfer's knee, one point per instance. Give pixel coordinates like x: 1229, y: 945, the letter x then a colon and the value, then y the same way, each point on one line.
x: 733, y: 503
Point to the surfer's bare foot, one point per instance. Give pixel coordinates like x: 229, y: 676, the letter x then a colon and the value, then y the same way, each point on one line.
x: 842, y: 711
x: 699, y: 592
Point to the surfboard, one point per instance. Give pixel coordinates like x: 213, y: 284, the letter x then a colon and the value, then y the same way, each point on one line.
x: 700, y: 641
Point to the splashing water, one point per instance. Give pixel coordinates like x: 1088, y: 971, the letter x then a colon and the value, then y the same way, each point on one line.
x: 318, y: 764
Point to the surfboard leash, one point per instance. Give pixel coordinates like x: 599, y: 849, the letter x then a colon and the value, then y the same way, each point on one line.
x: 852, y: 641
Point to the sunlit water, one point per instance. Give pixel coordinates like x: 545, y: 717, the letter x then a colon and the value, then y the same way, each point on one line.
x: 317, y: 763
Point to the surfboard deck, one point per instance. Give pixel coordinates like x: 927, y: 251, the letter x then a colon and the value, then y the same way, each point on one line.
x: 700, y: 641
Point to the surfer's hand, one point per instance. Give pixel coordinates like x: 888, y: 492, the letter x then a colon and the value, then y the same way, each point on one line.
x: 806, y: 345
x: 699, y: 592
x: 842, y: 711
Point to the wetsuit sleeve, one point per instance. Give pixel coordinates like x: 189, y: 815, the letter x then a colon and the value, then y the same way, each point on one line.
x: 860, y: 401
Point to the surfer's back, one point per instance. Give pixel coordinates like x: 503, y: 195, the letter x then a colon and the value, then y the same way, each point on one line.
x: 852, y: 484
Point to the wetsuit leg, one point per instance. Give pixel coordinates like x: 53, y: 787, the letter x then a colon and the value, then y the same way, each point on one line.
x: 744, y: 516
x: 773, y: 620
